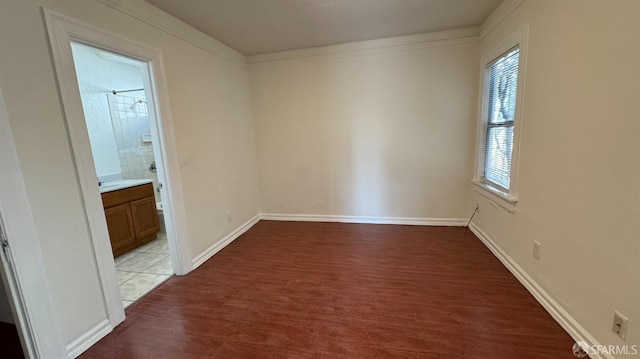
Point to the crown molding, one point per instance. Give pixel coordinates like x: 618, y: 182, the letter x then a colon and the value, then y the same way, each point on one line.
x: 499, y: 15
x: 166, y: 23
x: 368, y: 47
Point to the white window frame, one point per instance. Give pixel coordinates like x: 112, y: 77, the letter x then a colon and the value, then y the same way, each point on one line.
x: 506, y: 199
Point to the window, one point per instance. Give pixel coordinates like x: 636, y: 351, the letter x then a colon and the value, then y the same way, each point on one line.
x: 501, y: 108
x: 500, y: 120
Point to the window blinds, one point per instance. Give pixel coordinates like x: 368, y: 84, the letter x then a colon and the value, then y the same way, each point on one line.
x: 503, y: 84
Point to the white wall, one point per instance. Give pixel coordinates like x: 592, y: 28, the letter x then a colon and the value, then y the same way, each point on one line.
x: 382, y: 132
x: 579, y: 177
x: 5, y: 308
x: 98, y: 76
x: 209, y: 94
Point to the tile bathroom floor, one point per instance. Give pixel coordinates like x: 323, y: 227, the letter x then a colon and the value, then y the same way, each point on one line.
x: 143, y: 269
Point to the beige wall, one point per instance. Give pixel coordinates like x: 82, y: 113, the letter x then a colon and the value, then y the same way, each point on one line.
x: 382, y: 133
x: 579, y: 180
x: 209, y: 97
x: 379, y: 134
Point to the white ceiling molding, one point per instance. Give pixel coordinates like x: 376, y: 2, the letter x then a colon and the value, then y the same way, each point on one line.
x: 166, y: 23
x: 256, y: 27
x: 152, y: 16
x: 369, y: 47
x: 499, y: 15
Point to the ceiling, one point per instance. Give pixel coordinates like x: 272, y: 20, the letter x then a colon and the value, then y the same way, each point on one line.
x: 263, y: 26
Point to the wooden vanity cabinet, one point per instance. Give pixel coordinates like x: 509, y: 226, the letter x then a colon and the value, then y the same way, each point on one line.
x: 121, y: 230
x: 131, y: 216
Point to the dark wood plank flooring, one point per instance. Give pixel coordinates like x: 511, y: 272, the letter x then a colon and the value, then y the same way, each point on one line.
x: 330, y: 290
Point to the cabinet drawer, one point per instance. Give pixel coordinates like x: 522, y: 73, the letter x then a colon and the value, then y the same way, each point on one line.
x: 126, y: 195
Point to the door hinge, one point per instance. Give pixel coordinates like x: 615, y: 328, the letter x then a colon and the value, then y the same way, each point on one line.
x: 3, y: 237
x: 3, y: 242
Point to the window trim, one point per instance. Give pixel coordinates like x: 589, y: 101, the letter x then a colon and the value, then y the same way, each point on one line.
x: 506, y: 199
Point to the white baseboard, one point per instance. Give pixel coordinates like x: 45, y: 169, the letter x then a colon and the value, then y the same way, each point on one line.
x: 458, y: 222
x: 215, y: 248
x: 93, y: 335
x: 86, y: 340
x: 566, y: 321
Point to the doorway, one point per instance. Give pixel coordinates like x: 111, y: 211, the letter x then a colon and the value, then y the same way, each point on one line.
x: 63, y: 32
x: 29, y: 304
x: 121, y: 131
x: 11, y: 343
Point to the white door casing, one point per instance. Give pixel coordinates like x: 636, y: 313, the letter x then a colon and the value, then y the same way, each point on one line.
x: 62, y: 31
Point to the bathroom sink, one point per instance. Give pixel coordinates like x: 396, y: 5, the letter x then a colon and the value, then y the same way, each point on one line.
x: 105, y: 187
x: 121, y: 184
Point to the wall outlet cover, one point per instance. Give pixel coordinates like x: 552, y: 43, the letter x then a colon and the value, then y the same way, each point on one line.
x: 620, y: 323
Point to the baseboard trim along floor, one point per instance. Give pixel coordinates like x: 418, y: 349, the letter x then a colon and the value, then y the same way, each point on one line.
x: 559, y: 314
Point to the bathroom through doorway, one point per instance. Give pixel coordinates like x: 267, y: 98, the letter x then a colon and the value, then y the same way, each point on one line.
x: 120, y: 125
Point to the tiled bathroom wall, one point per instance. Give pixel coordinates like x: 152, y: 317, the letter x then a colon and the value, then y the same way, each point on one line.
x: 131, y: 129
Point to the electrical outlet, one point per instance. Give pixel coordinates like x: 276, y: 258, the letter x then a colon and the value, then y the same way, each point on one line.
x: 537, y: 248
x: 620, y: 325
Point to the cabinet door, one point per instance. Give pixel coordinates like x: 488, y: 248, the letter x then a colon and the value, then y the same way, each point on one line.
x: 121, y: 229
x: 145, y: 217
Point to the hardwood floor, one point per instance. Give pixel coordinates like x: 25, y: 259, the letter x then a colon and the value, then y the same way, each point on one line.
x: 330, y: 290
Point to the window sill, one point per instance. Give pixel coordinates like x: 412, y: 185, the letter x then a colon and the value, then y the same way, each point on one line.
x: 496, y: 196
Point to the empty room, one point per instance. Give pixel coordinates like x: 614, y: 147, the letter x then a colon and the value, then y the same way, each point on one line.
x: 320, y: 179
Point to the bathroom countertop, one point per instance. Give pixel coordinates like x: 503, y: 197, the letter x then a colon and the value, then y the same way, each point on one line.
x: 121, y: 184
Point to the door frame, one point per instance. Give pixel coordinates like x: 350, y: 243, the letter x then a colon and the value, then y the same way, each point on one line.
x: 22, y: 266
x: 63, y: 30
